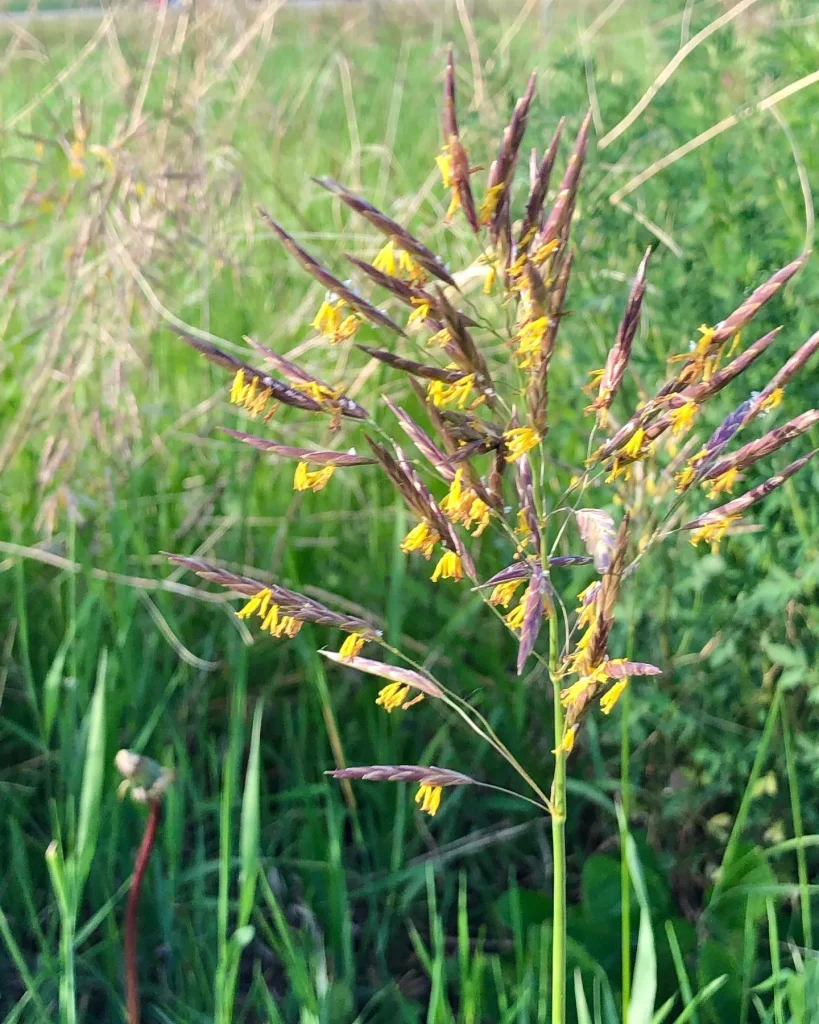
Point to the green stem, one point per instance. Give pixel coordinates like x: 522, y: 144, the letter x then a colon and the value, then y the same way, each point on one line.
x: 625, y: 880
x: 798, y: 830
x: 558, y: 802
x: 68, y: 994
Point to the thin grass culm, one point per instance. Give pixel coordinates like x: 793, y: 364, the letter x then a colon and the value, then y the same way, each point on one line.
x: 477, y: 414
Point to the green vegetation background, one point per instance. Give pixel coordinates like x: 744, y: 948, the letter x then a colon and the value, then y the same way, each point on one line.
x: 108, y: 440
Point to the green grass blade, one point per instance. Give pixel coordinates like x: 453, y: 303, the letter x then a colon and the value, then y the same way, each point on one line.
x: 749, y: 938
x: 701, y: 997
x: 798, y: 831
x: 52, y: 683
x: 92, y: 776
x: 250, y: 829
x: 22, y: 967
x: 644, y: 978
x: 583, y: 1014
x: 64, y: 891
x: 663, y: 1012
x: 679, y: 966
x: 773, y: 944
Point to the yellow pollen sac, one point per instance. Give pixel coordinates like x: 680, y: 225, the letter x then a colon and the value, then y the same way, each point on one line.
x: 462, y: 505
x: 584, y: 593
x: 723, y: 484
x: 542, y: 253
x: 413, y: 271
x: 576, y: 691
x: 595, y: 376
x: 686, y: 476
x: 586, y: 614
x: 286, y: 626
x: 347, y: 328
x: 619, y: 469
x: 735, y: 341
x: 585, y: 641
x: 306, y: 480
x: 457, y: 393
x: 503, y: 593
x: 249, y: 393
x: 520, y: 440
x: 258, y: 603
x: 612, y: 695
x: 455, y: 504
x: 632, y: 449
x: 490, y: 203
x: 385, y: 261
x: 773, y: 401
x: 237, y: 387
x: 479, y: 513
x: 328, y: 317
x: 682, y: 418
x: 444, y: 162
x: 331, y: 322
x: 530, y: 341
x: 446, y: 168
x: 514, y: 620
x: 442, y: 337
x: 491, y: 277
x: 523, y: 531
x: 706, y: 334
x: 270, y: 621
x: 318, y: 392
x: 448, y: 568
x: 392, y: 696
x: 516, y: 270
x: 566, y: 745
x: 421, y: 538
x: 351, y: 646
x: 419, y: 314
x: 429, y: 797
x: 712, y: 533
x: 259, y: 403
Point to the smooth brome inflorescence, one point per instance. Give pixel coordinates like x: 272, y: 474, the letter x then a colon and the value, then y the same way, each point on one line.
x: 477, y: 413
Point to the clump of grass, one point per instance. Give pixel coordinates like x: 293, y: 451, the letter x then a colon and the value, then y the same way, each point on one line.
x: 486, y: 463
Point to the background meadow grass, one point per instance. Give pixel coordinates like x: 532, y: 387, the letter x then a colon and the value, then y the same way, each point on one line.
x: 109, y: 456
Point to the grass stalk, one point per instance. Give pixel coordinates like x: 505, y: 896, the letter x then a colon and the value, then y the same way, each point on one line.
x: 558, y: 801
x: 131, y: 913
x: 625, y: 880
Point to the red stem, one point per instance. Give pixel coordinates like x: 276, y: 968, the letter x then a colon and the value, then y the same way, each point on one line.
x: 141, y: 863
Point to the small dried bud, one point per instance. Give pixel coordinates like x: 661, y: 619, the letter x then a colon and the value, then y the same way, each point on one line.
x: 143, y: 778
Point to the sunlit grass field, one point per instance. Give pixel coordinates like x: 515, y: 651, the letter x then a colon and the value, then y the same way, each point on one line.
x: 134, y: 153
